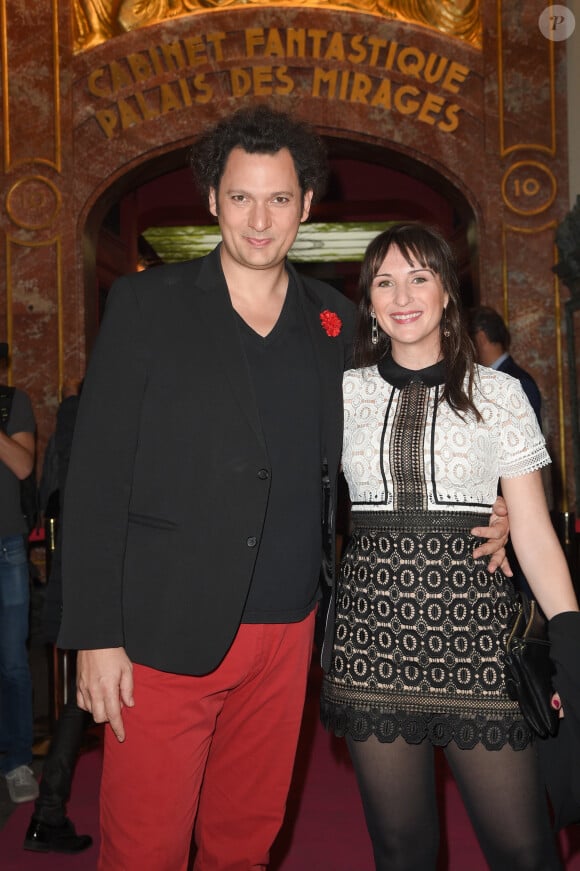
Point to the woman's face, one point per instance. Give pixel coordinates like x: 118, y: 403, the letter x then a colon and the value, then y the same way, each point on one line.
x: 408, y: 300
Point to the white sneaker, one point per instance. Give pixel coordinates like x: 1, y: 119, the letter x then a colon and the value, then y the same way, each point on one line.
x: 22, y: 784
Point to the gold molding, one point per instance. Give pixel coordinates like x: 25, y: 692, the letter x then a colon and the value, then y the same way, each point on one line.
x: 539, y: 209
x: 4, y: 63
x: 21, y: 222
x: 528, y: 231
x: 57, y: 104
x: 56, y: 162
x: 548, y: 149
x: 9, y: 319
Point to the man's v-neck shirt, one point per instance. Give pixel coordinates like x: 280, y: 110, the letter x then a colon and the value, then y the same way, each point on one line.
x: 284, y: 376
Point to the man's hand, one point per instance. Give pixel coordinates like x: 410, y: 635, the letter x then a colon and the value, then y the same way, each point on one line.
x: 497, y: 535
x: 105, y: 685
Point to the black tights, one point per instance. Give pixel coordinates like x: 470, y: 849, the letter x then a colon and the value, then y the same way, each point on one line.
x: 501, y: 791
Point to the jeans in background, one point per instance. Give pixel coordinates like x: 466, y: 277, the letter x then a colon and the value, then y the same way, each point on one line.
x: 16, y: 717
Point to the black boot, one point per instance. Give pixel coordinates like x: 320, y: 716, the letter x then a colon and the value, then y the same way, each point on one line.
x: 44, y: 838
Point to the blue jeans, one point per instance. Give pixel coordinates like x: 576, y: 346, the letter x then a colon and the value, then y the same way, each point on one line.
x: 16, y: 718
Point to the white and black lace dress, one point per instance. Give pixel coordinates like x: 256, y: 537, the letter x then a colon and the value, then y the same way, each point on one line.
x: 421, y: 626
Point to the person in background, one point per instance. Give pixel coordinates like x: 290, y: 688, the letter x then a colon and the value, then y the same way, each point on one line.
x: 17, y: 453
x: 421, y: 625
x: 492, y: 341
x: 50, y: 829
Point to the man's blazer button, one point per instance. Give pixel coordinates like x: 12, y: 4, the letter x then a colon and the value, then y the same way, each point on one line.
x: 263, y: 474
x: 252, y: 541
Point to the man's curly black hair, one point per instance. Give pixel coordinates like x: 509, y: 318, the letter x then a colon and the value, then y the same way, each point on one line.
x: 260, y: 130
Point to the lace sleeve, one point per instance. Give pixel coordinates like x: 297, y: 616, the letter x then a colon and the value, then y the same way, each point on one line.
x: 521, y: 443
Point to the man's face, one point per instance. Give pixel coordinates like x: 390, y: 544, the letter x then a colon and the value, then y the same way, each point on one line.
x: 259, y: 207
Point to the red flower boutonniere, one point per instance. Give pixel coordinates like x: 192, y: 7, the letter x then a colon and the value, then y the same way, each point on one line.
x: 331, y: 323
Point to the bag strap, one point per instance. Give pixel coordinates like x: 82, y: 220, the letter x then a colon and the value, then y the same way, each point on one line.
x: 6, y: 397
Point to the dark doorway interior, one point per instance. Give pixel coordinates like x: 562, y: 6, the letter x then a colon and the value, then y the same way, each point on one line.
x: 367, y: 184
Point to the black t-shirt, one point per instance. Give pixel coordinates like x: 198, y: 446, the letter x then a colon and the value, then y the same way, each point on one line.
x: 284, y: 585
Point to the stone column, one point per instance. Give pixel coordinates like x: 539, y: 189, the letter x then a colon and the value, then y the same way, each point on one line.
x: 526, y: 129
x: 35, y: 223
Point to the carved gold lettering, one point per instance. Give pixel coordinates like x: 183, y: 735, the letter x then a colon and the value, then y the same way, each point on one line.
x: 203, y: 88
x: 274, y: 46
x: 295, y: 42
x: 127, y: 114
x: 215, y: 39
x: 402, y: 104
x: 146, y: 111
x: 146, y: 72
x: 139, y: 66
x: 170, y: 101
x: 324, y: 80
x: 335, y: 48
x: 254, y: 38
x: 317, y: 36
x: 344, y: 82
x: 173, y: 56
x: 286, y: 81
x: 456, y: 75
x: 431, y: 106
x: 195, y: 50
x: 263, y: 81
x: 357, y: 52
x: 185, y: 92
x: 391, y: 55
x: 361, y: 88
x: 108, y: 120
x: 240, y: 81
x: 157, y: 65
x: 411, y: 61
x: 434, y: 68
x: 376, y: 45
x: 383, y: 95
x: 120, y: 77
x: 451, y: 122
x: 95, y: 88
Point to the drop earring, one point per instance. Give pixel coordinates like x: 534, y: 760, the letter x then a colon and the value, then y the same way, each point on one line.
x: 374, y: 329
x: 446, y: 330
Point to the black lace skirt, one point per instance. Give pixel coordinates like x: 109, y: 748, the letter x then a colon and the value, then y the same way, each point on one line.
x: 420, y: 636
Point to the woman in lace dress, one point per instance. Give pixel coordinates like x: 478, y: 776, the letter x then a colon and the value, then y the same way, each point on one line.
x: 420, y: 625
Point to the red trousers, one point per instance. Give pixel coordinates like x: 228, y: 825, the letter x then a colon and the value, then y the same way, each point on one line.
x: 215, y: 752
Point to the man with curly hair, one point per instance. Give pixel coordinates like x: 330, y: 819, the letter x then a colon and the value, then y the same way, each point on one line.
x: 208, y: 437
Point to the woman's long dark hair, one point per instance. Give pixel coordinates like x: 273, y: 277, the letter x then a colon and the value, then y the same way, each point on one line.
x: 421, y: 244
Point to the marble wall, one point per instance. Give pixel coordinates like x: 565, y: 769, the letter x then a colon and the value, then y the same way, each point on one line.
x: 82, y: 116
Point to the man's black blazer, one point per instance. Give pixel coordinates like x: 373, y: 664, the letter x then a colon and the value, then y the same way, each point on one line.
x: 169, y: 475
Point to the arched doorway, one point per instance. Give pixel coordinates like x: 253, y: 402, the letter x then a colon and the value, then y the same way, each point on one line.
x: 475, y: 98
x: 157, y: 211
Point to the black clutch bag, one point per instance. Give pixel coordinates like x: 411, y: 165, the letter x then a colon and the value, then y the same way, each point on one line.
x: 529, y: 669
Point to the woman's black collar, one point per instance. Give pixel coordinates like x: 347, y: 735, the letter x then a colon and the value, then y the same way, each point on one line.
x: 399, y: 377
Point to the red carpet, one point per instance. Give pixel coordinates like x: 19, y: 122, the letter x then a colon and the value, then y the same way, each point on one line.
x: 324, y: 831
